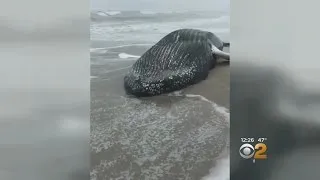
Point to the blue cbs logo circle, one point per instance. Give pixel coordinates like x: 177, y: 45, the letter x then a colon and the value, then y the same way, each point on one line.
x: 246, y: 151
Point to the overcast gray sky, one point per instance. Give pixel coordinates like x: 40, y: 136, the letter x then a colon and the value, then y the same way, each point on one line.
x: 161, y: 5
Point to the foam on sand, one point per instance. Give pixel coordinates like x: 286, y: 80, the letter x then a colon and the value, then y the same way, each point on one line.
x: 220, y: 109
x: 126, y: 56
x: 156, y: 136
x: 98, y: 50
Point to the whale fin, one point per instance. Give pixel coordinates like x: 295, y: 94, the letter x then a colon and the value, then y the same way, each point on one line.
x: 220, y: 53
x: 226, y: 44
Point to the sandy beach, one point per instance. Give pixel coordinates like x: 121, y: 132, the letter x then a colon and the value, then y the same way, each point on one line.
x: 122, y: 126
x: 181, y: 135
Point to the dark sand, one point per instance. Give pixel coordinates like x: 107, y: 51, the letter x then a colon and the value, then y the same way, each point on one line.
x: 162, y: 137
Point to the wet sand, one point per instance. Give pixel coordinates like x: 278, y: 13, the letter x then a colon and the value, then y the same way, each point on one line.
x: 177, y: 136
x: 216, y: 87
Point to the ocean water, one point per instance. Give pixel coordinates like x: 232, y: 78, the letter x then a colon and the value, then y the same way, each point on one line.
x: 182, y: 135
x: 149, y: 27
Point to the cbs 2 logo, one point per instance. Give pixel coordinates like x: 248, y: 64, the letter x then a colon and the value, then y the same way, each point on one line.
x: 248, y: 151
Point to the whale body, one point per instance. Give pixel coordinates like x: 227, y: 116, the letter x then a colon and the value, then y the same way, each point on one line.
x: 182, y: 58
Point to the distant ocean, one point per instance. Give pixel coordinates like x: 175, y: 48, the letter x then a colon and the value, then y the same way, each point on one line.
x: 149, y: 27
